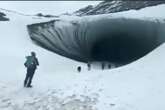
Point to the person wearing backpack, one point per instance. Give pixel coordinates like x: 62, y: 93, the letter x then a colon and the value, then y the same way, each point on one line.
x: 31, y: 65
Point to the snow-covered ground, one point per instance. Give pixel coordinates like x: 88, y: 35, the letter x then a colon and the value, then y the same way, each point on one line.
x: 57, y: 84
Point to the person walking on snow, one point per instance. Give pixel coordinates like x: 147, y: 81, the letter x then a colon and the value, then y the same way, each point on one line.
x: 31, y: 65
x: 89, y: 66
x: 103, y: 65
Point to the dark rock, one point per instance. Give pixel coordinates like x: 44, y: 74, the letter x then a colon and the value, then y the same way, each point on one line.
x: 45, y: 15
x: 3, y: 17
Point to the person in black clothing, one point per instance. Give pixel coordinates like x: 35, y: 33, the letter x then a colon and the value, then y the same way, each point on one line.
x: 89, y: 66
x: 79, y: 68
x: 109, y: 66
x: 31, y: 65
x: 103, y: 65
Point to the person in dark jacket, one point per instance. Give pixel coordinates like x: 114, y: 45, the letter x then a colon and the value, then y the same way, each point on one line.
x: 31, y: 65
x: 109, y: 66
x: 89, y: 66
x: 79, y: 69
x: 103, y: 65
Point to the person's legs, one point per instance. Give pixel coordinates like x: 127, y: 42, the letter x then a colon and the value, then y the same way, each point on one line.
x: 31, y: 77
x: 26, y: 78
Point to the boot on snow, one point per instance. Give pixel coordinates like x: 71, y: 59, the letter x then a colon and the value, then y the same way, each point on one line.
x: 29, y: 86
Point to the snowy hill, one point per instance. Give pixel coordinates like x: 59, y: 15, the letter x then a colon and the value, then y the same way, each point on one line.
x: 57, y: 84
x: 116, y: 6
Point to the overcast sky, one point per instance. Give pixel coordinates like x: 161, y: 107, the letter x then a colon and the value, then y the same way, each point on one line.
x: 47, y: 7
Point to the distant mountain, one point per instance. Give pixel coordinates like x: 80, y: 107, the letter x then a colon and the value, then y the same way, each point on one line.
x: 45, y: 15
x: 115, y: 6
x: 3, y: 17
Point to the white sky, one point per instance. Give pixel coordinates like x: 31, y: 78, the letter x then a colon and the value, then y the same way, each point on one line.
x: 46, y: 7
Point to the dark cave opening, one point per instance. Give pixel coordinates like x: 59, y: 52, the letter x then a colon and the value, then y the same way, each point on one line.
x: 121, y: 48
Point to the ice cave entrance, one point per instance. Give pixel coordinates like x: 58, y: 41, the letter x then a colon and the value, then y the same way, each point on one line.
x: 115, y: 40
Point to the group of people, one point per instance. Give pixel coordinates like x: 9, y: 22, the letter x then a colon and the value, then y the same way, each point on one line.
x: 103, y: 66
x: 31, y: 64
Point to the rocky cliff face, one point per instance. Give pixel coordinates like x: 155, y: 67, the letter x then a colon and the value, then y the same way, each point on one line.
x: 116, y: 6
x: 3, y: 17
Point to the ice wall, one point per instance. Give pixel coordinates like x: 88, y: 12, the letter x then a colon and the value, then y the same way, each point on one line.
x: 114, y: 39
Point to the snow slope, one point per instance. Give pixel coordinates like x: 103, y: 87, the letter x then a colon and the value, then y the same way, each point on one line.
x: 57, y: 85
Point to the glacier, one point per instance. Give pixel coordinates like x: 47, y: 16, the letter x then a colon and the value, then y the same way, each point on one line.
x: 119, y: 40
x: 57, y: 84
